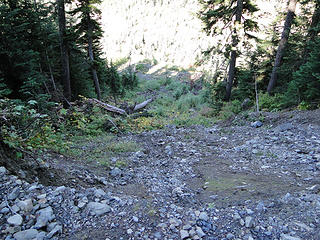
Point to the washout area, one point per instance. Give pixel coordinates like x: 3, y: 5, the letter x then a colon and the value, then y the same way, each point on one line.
x: 228, y: 179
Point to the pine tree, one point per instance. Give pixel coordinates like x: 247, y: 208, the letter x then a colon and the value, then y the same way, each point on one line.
x: 20, y: 48
x: 89, y: 29
x: 282, y: 44
x: 65, y: 66
x: 221, y: 16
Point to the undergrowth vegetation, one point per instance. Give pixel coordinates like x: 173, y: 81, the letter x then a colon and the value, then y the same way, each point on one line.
x: 26, y: 127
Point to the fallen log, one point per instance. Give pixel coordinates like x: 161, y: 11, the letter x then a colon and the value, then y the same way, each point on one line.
x: 114, y: 109
x: 108, y: 107
x: 142, y: 105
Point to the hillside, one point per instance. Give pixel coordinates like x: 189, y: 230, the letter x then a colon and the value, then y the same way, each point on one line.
x: 166, y: 31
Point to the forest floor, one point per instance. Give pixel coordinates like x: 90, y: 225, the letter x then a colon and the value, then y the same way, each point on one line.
x: 225, y: 181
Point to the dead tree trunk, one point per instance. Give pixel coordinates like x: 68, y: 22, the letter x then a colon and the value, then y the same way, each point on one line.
x: 282, y: 44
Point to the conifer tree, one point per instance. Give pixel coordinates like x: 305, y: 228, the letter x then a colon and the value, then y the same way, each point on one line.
x: 282, y: 44
x: 89, y: 29
x: 221, y: 16
x: 65, y: 67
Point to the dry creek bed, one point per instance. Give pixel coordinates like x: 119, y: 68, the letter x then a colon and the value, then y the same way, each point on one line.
x: 228, y: 181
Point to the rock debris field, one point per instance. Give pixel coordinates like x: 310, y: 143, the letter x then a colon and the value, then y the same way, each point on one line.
x: 232, y: 180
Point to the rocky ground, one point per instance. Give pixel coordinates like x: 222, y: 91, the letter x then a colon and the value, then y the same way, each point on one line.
x: 230, y: 181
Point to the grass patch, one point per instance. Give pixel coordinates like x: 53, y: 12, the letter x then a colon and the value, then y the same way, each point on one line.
x: 120, y: 147
x: 101, y: 149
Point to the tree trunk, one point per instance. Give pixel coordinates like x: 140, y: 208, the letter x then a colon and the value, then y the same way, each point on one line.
x: 282, y: 44
x: 91, y: 58
x: 235, y: 40
x: 65, y: 67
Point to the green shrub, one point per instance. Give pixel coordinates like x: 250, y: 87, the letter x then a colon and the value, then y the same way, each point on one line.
x: 129, y: 79
x: 305, y: 86
x: 121, y: 61
x: 270, y: 103
x: 188, y: 101
x: 114, y: 81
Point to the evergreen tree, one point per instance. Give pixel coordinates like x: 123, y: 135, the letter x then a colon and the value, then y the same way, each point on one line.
x: 90, y: 30
x: 282, y: 44
x: 21, y: 48
x: 65, y: 66
x: 221, y: 16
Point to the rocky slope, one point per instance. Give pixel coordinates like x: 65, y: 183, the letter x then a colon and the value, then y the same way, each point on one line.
x: 229, y: 181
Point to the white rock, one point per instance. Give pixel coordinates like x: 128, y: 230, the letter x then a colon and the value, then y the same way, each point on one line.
x: 44, y: 217
x: 204, y: 216
x: 3, y: 171
x: 60, y: 189
x: 249, y: 222
x: 29, y: 234
x: 184, y: 234
x: 15, y: 220
x: 199, y: 232
x: 98, y: 209
x: 25, y: 205
x: 288, y: 237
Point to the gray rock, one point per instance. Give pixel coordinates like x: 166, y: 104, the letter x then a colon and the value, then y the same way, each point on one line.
x: 236, y: 216
x: 3, y: 171
x: 249, y: 221
x: 203, y: 216
x: 15, y: 220
x: 98, y: 209
x: 184, y: 234
x: 57, y: 229
x: 249, y: 211
x: 286, y: 198
x: 115, y: 172
x: 13, y: 229
x: 25, y: 205
x: 99, y: 192
x: 284, y: 127
x: 168, y: 150
x: 29, y: 234
x: 187, y: 227
x: 199, y: 232
x: 5, y: 210
x: 135, y: 219
x: 44, y: 217
x: 175, y: 222
x: 60, y: 189
x: 230, y: 236
x: 256, y: 124
x: 241, y: 222
x: 51, y: 226
x: 15, y: 208
x: 260, y: 206
x: 41, y: 235
x: 158, y: 235
x: 288, y: 237
x: 14, y: 193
